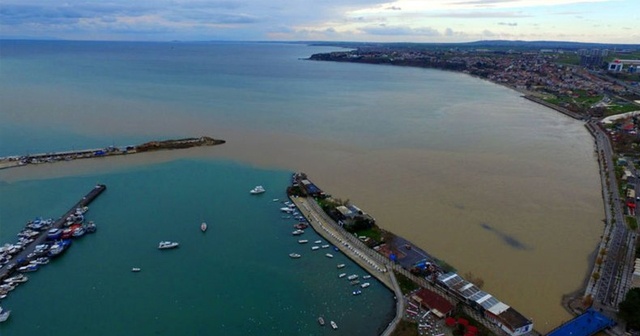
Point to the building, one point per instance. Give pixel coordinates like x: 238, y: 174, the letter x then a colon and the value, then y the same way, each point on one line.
x: 499, y: 313
x: 436, y: 304
x: 620, y: 64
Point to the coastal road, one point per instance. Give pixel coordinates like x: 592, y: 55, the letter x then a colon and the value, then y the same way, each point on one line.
x: 618, y: 243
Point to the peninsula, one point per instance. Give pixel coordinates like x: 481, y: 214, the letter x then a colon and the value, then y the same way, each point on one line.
x: 19, y: 161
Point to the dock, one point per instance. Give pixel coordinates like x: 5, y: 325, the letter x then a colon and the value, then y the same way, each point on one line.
x: 374, y: 263
x: 53, y: 157
x: 6, y: 272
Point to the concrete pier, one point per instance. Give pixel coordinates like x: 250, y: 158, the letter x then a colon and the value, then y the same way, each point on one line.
x: 6, y: 272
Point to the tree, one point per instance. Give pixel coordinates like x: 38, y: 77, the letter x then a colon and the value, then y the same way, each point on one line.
x: 629, y: 309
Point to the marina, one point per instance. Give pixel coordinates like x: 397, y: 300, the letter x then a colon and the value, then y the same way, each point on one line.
x: 46, y: 240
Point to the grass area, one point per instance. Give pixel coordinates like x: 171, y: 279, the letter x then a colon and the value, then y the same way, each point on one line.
x: 406, y: 328
x: 617, y: 109
x: 568, y: 59
x: 406, y: 284
x: 374, y: 233
x: 632, y: 222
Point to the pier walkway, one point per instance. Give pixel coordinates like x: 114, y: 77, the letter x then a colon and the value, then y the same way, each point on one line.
x: 6, y: 272
x: 374, y: 263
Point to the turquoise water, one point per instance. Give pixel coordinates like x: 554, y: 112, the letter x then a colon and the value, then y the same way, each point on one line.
x: 235, y: 279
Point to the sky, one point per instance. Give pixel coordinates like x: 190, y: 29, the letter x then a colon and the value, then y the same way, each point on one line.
x: 604, y: 21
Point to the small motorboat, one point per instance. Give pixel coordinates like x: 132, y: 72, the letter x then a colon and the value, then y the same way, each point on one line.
x: 318, y: 241
x: 203, y: 227
x: 329, y: 255
x: 315, y: 248
x: 352, y: 277
x: 321, y: 320
x: 365, y: 285
x: 294, y: 255
x: 302, y: 241
x: 340, y: 265
x: 135, y: 269
x: 357, y: 292
x: 366, y: 276
x: 163, y: 245
x: 342, y: 275
x: 257, y: 190
x: 334, y: 325
x: 297, y: 232
x: 4, y: 314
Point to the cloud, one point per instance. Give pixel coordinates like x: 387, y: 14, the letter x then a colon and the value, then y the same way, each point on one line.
x: 479, y: 15
x: 400, y: 31
x: 394, y: 8
x: 510, y: 24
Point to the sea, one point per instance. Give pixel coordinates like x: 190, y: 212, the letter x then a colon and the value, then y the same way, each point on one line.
x: 495, y: 185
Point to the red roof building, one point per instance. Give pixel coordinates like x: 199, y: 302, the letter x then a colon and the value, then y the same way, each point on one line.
x: 438, y: 305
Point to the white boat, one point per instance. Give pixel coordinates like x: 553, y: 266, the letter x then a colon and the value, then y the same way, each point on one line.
x: 334, y: 325
x: 365, y: 285
x: 303, y: 241
x: 287, y: 210
x: 257, y: 190
x: 340, y: 265
x: 366, y: 276
x: 352, y: 277
x: 318, y: 241
x: 329, y: 255
x: 167, y: 245
x: 203, y: 227
x: 315, y: 248
x: 342, y: 275
x: 357, y: 292
x: 325, y: 246
x: 294, y: 255
x: 4, y: 314
x: 321, y: 320
x: 135, y: 269
x: 275, y: 200
x: 297, y: 232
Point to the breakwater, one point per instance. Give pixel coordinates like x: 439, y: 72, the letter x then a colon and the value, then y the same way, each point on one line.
x: 18, y: 161
x: 39, y: 244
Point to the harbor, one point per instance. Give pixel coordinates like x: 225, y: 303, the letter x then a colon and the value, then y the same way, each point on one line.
x: 31, y: 159
x: 44, y: 239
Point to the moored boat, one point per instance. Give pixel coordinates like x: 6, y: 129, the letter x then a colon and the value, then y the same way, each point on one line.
x: 257, y: 190
x: 352, y: 277
x: 294, y: 255
x: 303, y: 241
x: 318, y: 242
x: 325, y: 246
x: 357, y: 292
x: 329, y: 255
x: 315, y: 248
x: 54, y: 234
x: 342, y: 275
x: 163, y: 245
x: 203, y: 227
x: 366, y: 276
x: 340, y: 265
x: 321, y: 320
x: 4, y: 314
x: 297, y: 232
x: 365, y: 285
x: 354, y: 282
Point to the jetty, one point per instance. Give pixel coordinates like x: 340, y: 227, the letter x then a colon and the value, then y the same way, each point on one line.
x: 22, y: 257
x: 30, y: 159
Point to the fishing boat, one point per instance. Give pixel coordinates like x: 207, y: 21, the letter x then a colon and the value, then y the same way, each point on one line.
x: 257, y: 190
x: 163, y: 245
x: 321, y: 320
x: 203, y: 227
x: 333, y: 325
x: 4, y: 314
x: 329, y: 255
x: 294, y: 255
